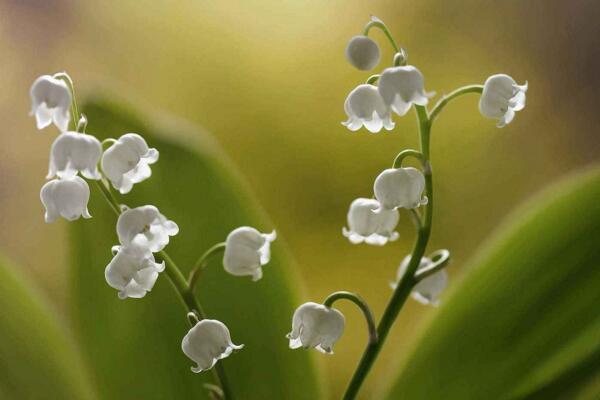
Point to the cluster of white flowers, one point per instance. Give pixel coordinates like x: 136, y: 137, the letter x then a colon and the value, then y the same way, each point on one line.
x: 142, y: 231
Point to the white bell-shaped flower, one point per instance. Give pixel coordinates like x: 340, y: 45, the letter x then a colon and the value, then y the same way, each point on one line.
x: 401, y: 87
x: 501, y: 98
x: 128, y: 161
x: 400, y: 187
x: 145, y: 227
x: 316, y: 326
x: 50, y: 102
x: 132, y: 271
x: 428, y: 290
x: 246, y: 251
x: 74, y: 152
x: 208, y: 342
x: 67, y: 198
x: 364, y: 225
x: 363, y: 53
x: 364, y: 106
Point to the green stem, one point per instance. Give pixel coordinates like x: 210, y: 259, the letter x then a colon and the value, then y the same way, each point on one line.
x: 362, y: 304
x: 384, y: 29
x: 74, y: 110
x: 439, y: 260
x: 202, y: 262
x: 406, y: 284
x: 456, y: 93
x: 408, y: 153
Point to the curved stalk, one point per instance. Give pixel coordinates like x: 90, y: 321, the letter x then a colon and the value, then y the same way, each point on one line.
x: 408, y: 281
x: 456, y: 93
x: 364, y: 307
x: 380, y: 25
x: 202, y: 263
x: 408, y: 153
x: 439, y: 260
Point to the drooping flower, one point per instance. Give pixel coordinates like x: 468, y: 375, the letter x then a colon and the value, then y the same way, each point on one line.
x: 364, y: 225
x: 363, y: 53
x: 501, y: 98
x: 128, y: 161
x: 67, y: 198
x: 208, y: 342
x: 400, y: 187
x: 364, y: 106
x: 401, y: 87
x: 316, y: 326
x: 132, y: 271
x: 146, y: 227
x: 246, y: 251
x: 74, y: 152
x: 428, y: 290
x: 50, y: 102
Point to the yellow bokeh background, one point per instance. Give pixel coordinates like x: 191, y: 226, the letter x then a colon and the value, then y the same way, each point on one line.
x: 268, y: 79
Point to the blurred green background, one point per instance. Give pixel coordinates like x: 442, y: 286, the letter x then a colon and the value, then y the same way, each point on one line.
x: 268, y: 79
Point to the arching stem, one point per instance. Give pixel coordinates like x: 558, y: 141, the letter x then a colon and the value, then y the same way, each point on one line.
x: 364, y: 307
x: 448, y: 97
x: 202, y: 263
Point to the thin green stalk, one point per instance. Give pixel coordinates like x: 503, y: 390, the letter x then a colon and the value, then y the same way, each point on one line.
x: 406, y: 284
x: 362, y: 304
x: 202, y: 262
x: 384, y: 29
x: 74, y: 110
x: 456, y: 93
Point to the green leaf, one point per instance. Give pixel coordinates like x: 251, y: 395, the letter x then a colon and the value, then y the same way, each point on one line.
x: 135, y: 344
x: 525, y: 322
x: 37, y: 359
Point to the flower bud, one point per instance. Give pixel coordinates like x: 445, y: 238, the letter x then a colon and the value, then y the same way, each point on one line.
x: 316, y: 326
x: 50, y: 102
x: 364, y: 106
x: 132, y: 271
x: 246, y: 251
x: 401, y: 87
x: 363, y: 53
x: 428, y: 290
x: 364, y: 225
x: 400, y: 187
x: 74, y: 152
x: 145, y: 227
x: 67, y: 197
x: 501, y: 98
x: 128, y: 161
x: 206, y: 343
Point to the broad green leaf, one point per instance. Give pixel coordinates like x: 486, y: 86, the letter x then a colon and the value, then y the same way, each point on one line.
x: 525, y: 322
x: 37, y: 358
x: 135, y: 344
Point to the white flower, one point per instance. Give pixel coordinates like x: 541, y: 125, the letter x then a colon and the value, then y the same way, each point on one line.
x: 429, y: 289
x: 364, y: 106
x: 246, y: 251
x: 146, y: 227
x: 363, y: 53
x: 74, y: 152
x: 132, y: 271
x: 50, y: 102
x: 501, y: 98
x: 372, y: 228
x: 401, y: 87
x: 128, y: 161
x: 206, y: 343
x: 316, y: 326
x: 67, y: 197
x: 400, y: 187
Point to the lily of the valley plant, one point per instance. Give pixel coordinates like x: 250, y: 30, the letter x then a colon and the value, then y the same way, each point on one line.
x: 117, y: 164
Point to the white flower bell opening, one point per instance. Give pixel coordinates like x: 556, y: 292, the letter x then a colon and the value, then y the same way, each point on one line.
x: 246, y: 251
x: 401, y: 87
x: 501, y: 98
x: 132, y: 271
x: 127, y: 162
x: 74, y: 152
x: 67, y: 198
x: 363, y: 53
x: 145, y: 227
x: 365, y: 107
x: 428, y: 290
x: 208, y: 342
x: 400, y: 187
x: 316, y: 326
x: 50, y: 102
x: 364, y: 225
